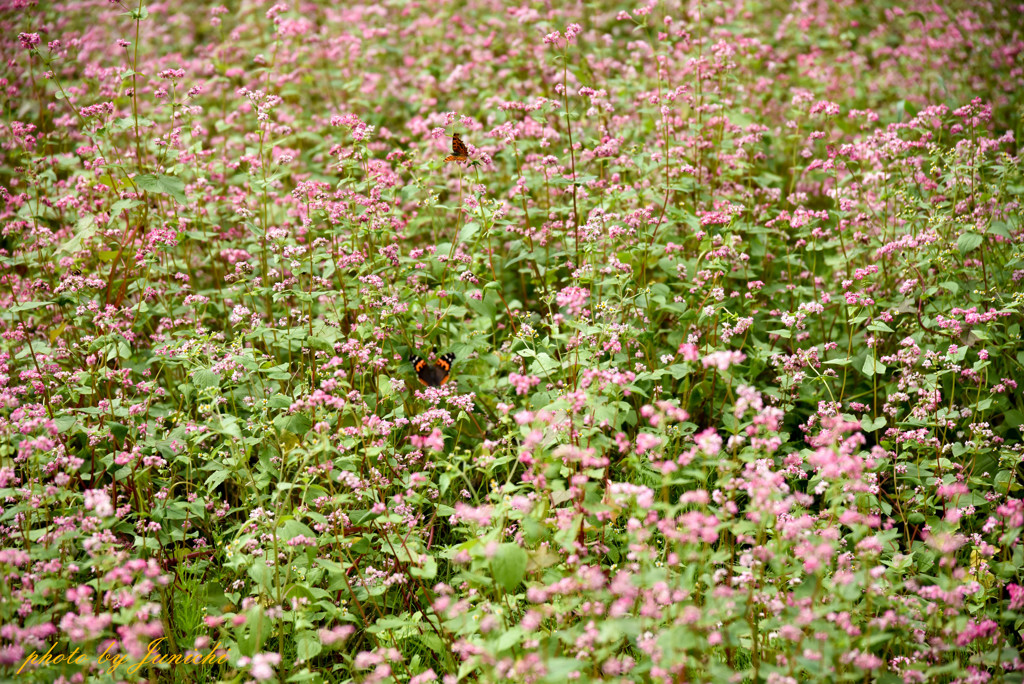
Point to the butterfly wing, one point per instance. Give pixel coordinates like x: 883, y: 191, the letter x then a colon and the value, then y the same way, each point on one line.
x: 460, y: 152
x: 421, y: 368
x: 436, y: 375
x: 444, y: 364
x: 459, y: 147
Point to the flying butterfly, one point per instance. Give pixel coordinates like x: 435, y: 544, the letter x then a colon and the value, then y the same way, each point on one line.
x: 460, y: 152
x: 433, y: 375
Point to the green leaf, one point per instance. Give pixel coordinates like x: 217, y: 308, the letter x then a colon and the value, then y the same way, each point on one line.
x: 119, y: 430
x: 968, y: 242
x: 293, y: 528
x: 262, y: 575
x: 307, y: 646
x: 257, y: 627
x: 280, y: 401
x: 84, y: 229
x: 213, y: 594
x: 428, y: 571
x: 558, y: 669
x: 510, y: 639
x: 163, y: 185
x: 205, y: 378
x: 870, y: 425
x: 297, y: 424
x: 64, y: 423
x: 384, y: 387
x: 122, y: 205
x: 1001, y: 229
x: 509, y: 566
x: 872, y: 367
x: 469, y: 231
x: 217, y: 478
x: 127, y: 122
x: 28, y: 306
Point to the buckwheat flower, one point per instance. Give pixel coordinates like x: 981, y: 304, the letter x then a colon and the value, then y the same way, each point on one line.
x: 238, y: 315
x: 523, y: 383
x: 1016, y: 596
x: 121, y: 42
x: 84, y: 627
x: 688, y: 351
x: 480, y: 516
x: 98, y: 501
x: 301, y: 540
x: 573, y: 299
x: 709, y: 441
x: 434, y: 441
x: 276, y: 10
x: 8, y: 477
x: 171, y: 74
x: 335, y: 635
x: 261, y: 665
x: 29, y: 40
x: 571, y: 31
x: 826, y: 107
x: 549, y: 39
x: 723, y: 359
x: 646, y: 441
x: 12, y: 654
x: 14, y: 557
x: 715, y: 218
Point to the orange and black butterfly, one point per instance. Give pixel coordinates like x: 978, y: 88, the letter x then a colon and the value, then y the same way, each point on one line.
x: 460, y: 152
x: 436, y: 375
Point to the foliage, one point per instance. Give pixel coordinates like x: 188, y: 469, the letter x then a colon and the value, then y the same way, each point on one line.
x: 734, y: 291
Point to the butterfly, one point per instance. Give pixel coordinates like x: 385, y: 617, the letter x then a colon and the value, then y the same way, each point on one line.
x: 460, y: 152
x: 436, y: 375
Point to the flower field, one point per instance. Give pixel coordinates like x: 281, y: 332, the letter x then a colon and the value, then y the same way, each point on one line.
x: 475, y: 341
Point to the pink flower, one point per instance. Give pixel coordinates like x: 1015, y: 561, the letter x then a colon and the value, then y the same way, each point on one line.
x: 434, y: 441
x: 523, y: 383
x: 723, y: 359
x: 573, y: 299
x: 98, y: 501
x: 480, y: 516
x: 335, y: 635
x: 29, y: 40
x: 688, y: 351
x: 646, y: 442
x: 825, y: 107
x: 709, y: 441
x: 261, y: 665
x: 1016, y: 596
